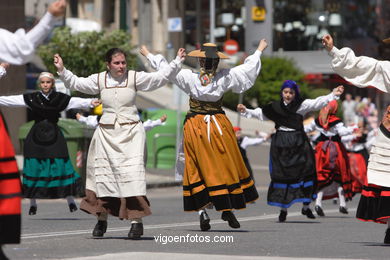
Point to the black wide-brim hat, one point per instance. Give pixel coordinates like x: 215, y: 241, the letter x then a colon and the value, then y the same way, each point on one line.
x: 208, y: 50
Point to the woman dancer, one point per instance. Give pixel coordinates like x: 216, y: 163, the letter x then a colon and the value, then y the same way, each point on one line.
x: 333, y: 171
x: 374, y: 204
x: 47, y: 171
x: 214, y: 171
x: 292, y: 164
x: 115, y: 165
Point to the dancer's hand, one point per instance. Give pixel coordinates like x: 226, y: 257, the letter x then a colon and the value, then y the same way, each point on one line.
x: 57, y: 8
x: 144, y: 50
x: 4, y: 65
x: 163, y: 118
x: 58, y: 63
x: 338, y: 91
x: 96, y: 102
x: 262, y: 45
x: 327, y: 41
x: 181, y: 53
x: 241, y: 108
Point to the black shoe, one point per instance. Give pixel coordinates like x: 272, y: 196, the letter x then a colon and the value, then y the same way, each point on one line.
x: 136, y: 231
x: 204, y: 221
x: 33, y: 210
x: 387, y: 237
x: 231, y: 219
x: 319, y: 211
x: 72, y: 207
x: 100, y: 228
x: 343, y: 210
x: 282, y: 215
x: 308, y: 213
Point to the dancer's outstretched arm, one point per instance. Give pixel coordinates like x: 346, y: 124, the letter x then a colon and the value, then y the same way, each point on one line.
x: 361, y: 71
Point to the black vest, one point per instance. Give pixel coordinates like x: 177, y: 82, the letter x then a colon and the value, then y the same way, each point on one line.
x: 284, y: 115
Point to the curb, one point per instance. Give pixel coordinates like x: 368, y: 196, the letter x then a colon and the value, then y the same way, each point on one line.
x: 163, y: 184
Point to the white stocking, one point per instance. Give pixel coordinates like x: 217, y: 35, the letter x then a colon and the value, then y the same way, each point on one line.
x: 320, y: 194
x: 341, y: 196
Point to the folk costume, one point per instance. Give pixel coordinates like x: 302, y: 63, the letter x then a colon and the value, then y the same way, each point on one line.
x: 116, y: 182
x: 332, y: 164
x: 214, y: 171
x: 292, y: 164
x: 364, y: 71
x: 47, y: 171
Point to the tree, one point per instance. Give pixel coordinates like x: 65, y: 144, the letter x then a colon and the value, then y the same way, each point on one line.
x: 274, y: 71
x: 83, y: 53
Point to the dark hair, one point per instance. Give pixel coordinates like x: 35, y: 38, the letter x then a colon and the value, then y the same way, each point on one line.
x: 111, y: 52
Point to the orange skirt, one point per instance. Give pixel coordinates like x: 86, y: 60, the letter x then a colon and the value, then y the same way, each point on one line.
x: 214, y: 169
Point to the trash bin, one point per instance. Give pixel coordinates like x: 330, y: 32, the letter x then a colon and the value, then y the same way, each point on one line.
x: 77, y: 137
x: 161, y: 140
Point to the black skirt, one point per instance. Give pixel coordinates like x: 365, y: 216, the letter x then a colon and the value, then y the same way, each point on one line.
x: 292, y: 169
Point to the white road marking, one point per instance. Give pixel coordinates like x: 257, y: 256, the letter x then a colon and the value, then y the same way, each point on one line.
x: 159, y: 226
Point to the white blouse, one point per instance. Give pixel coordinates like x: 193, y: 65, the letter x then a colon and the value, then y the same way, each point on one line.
x: 338, y: 129
x: 144, y: 81
x: 361, y: 71
x: 238, y: 79
x: 18, y: 48
x: 306, y: 106
x: 92, y: 121
x: 18, y: 101
x: 250, y: 141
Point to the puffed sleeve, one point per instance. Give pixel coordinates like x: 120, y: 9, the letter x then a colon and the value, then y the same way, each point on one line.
x: 18, y: 48
x: 316, y: 104
x: 77, y: 102
x: 242, y: 77
x: 148, y: 81
x: 87, y: 85
x: 361, y: 71
x: 12, y: 101
x: 256, y: 113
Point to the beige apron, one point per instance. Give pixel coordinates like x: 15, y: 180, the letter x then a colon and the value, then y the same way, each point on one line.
x: 115, y: 164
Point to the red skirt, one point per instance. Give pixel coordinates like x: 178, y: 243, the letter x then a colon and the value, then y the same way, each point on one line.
x: 332, y: 165
x: 358, y: 169
x: 10, y: 190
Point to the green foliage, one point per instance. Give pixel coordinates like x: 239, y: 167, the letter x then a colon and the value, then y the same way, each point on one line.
x: 274, y: 71
x: 84, y: 53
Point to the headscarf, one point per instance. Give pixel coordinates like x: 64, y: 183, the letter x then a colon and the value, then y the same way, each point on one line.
x: 293, y: 85
x: 328, y: 114
x: 46, y: 75
x: 297, y: 101
x: 237, y: 128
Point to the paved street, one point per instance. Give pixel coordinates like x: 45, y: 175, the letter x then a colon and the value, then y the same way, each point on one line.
x: 55, y: 233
